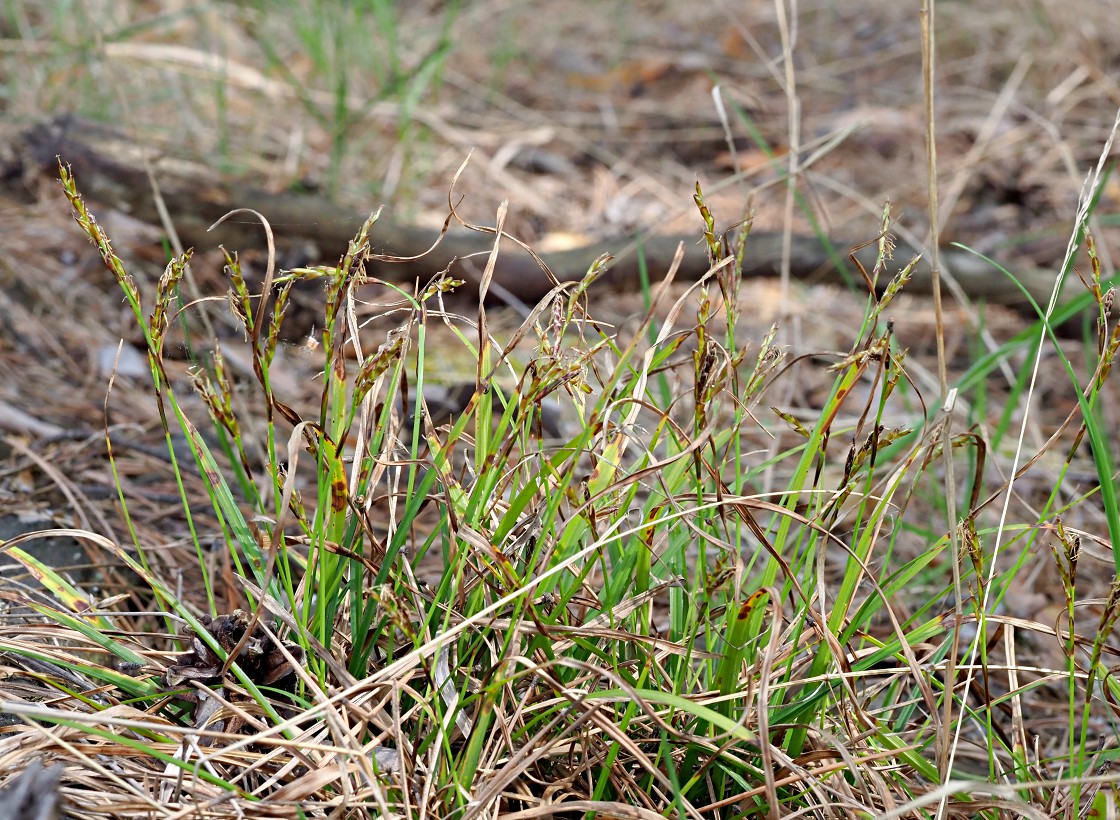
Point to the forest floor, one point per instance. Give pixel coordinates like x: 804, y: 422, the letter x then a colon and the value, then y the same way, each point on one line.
x: 593, y: 120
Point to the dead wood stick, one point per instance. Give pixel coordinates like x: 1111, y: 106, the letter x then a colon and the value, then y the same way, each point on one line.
x: 108, y: 169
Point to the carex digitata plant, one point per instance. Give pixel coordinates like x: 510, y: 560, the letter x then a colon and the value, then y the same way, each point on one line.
x: 625, y: 568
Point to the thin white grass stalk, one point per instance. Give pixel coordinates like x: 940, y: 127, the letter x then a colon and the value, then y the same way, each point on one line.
x: 945, y: 750
x: 1018, y: 725
x: 1088, y: 193
x: 787, y: 27
x: 929, y: 55
x: 928, y: 60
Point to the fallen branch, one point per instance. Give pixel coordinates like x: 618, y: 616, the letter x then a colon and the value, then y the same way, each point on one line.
x: 111, y: 170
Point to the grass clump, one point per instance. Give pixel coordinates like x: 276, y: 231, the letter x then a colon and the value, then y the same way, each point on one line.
x: 626, y: 578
